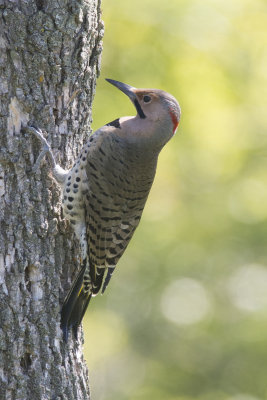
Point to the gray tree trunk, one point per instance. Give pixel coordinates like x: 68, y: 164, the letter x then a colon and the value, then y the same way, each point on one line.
x: 49, y: 61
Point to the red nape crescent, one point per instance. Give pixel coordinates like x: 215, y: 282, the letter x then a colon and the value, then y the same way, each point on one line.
x: 174, y: 121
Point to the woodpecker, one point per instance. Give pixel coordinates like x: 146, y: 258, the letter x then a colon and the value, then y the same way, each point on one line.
x: 104, y: 193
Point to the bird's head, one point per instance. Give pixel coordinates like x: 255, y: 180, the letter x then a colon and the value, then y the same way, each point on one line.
x: 156, y: 109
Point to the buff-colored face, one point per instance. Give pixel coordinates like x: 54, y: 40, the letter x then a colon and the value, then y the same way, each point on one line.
x: 155, y: 104
x: 152, y: 105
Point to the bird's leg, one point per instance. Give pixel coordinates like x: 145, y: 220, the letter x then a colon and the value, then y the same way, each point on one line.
x: 58, y: 173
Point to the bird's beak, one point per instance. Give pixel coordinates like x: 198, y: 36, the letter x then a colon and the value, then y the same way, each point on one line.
x: 127, y: 89
x: 130, y: 92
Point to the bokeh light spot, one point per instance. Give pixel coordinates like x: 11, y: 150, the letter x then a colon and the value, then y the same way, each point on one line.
x: 248, y: 287
x: 185, y: 301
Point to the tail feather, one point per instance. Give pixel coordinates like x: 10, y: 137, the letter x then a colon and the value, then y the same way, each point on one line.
x: 82, y: 308
x: 75, y: 305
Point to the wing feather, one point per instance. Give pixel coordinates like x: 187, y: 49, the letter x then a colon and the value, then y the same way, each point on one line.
x: 114, y: 203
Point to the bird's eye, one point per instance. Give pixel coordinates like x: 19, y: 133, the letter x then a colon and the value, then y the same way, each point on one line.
x: 146, y: 99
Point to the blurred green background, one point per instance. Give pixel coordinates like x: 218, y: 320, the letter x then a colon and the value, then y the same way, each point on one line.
x: 185, y: 315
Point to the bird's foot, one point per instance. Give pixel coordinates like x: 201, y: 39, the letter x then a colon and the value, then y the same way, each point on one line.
x: 45, y: 150
x: 58, y: 172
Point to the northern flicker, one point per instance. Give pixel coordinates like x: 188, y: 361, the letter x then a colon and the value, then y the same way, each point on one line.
x: 105, y: 191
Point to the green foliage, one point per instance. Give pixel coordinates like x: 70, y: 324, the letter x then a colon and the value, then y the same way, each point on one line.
x: 185, y: 316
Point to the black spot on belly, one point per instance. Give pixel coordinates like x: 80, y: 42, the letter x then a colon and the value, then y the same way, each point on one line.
x: 115, y: 123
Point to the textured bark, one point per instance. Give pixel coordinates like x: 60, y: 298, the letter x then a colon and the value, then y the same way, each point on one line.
x: 49, y: 61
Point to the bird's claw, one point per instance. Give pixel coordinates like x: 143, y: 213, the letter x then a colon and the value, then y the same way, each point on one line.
x: 45, y: 150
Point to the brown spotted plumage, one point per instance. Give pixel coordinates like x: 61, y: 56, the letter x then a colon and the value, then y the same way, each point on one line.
x: 105, y: 191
